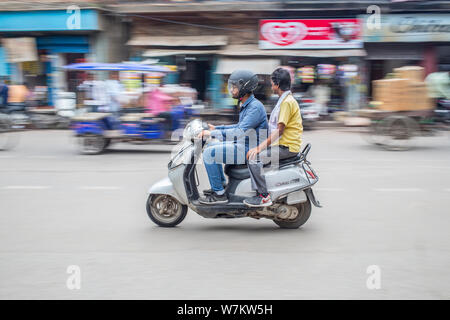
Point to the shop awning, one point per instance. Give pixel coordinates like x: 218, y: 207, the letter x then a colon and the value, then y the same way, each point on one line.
x: 86, y: 66
x: 169, y: 52
x: 253, y: 50
x: 185, y: 41
x: 64, y: 43
x: 383, y: 51
x: 258, y: 66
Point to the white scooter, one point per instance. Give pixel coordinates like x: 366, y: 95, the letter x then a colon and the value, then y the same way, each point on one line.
x: 290, y: 187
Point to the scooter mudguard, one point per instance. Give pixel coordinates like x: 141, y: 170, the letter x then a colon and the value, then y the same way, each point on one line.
x: 309, y: 192
x: 296, y: 197
x: 165, y: 186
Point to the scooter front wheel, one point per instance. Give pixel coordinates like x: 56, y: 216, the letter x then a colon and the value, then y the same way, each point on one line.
x: 165, y: 211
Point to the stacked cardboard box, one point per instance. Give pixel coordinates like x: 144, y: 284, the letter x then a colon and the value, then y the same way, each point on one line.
x: 406, y: 92
x: 413, y: 73
x: 392, y: 94
x: 418, y: 96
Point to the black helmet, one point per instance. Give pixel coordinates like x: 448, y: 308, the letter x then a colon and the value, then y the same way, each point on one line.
x: 245, y: 80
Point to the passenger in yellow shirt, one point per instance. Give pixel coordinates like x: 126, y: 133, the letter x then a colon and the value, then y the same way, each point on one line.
x: 285, y: 138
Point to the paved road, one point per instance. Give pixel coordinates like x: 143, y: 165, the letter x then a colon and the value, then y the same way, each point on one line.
x: 58, y: 208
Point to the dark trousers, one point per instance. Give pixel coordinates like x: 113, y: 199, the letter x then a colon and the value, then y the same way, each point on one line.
x: 273, y: 155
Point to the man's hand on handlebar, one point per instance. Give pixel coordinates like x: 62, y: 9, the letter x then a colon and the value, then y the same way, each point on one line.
x: 205, y: 134
x: 211, y: 127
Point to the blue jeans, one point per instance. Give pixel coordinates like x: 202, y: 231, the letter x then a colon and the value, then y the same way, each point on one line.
x: 215, y: 154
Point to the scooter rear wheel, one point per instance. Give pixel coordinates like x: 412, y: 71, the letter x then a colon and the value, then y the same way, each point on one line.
x: 165, y: 211
x: 304, y: 212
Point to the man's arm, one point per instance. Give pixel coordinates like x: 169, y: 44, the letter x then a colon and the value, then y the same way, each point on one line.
x: 227, y: 126
x: 283, y: 119
x: 274, y: 136
x: 251, y: 120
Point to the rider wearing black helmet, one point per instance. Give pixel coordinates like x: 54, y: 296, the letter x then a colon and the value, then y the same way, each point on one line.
x: 234, y: 139
x: 244, y: 81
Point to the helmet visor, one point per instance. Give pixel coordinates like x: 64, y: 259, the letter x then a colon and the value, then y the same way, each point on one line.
x: 233, y: 87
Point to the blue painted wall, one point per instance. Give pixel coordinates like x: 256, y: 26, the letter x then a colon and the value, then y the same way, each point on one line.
x: 4, y: 67
x: 49, y: 20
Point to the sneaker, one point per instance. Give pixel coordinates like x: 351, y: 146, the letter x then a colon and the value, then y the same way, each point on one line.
x: 213, y: 198
x: 258, y: 201
x: 210, y: 191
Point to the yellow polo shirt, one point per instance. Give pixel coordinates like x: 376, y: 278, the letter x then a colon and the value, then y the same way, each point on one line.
x: 290, y: 116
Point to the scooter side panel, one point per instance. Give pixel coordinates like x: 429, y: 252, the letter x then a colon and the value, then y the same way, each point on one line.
x: 244, y: 188
x: 176, y: 177
x: 279, y: 182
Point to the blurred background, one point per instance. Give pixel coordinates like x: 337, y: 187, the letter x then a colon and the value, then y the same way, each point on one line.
x: 334, y: 49
x: 106, y: 73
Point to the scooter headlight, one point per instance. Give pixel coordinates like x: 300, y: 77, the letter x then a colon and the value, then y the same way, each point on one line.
x: 188, y: 133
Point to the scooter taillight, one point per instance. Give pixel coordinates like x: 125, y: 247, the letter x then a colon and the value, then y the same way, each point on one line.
x: 311, y: 174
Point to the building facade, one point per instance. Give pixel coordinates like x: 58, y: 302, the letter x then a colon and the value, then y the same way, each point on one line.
x: 206, y: 40
x: 35, y: 43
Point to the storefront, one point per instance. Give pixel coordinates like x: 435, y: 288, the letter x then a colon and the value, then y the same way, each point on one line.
x: 37, y: 43
x: 193, y: 56
x: 406, y: 39
x: 205, y: 61
x: 321, y: 53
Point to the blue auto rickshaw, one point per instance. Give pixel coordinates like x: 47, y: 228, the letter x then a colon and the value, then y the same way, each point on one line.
x: 95, y: 131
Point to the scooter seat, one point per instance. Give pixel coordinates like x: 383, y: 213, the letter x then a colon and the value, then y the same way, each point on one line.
x: 287, y: 161
x: 241, y: 172
x: 237, y: 171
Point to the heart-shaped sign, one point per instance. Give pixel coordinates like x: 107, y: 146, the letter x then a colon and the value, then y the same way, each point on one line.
x: 284, y: 33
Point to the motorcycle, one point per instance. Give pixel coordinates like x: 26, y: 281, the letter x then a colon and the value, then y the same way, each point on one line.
x: 290, y: 186
x: 442, y: 111
x: 27, y: 114
x: 310, y: 115
x: 58, y: 117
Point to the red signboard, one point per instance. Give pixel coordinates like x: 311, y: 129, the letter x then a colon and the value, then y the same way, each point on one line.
x: 310, y: 34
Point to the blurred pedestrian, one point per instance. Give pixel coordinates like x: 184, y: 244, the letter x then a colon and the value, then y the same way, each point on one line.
x: 3, y: 95
x: 159, y: 104
x: 114, y: 89
x: 18, y: 95
x: 94, y: 92
x: 438, y: 84
x: 321, y: 93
